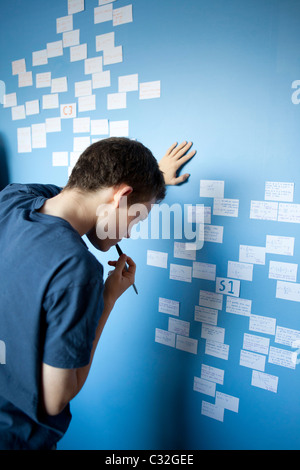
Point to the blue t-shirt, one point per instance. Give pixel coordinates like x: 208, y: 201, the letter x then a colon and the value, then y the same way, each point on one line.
x: 51, y: 299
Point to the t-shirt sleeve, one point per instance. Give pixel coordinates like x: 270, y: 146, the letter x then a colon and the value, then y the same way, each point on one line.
x: 72, y: 316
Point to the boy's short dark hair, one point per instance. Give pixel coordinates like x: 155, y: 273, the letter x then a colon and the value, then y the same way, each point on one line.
x: 110, y: 162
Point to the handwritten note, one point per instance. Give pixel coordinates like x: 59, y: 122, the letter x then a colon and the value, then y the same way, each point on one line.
x: 157, y: 259
x: 226, y: 207
x: 288, y: 291
x: 283, y: 271
x: 206, y: 315
x: 212, y: 188
x: 179, y: 272
x: 168, y: 306
x: 277, y: 191
x: 280, y: 245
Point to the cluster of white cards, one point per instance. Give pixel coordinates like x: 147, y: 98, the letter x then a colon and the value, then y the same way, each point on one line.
x: 87, y: 89
x: 178, y: 333
x: 265, y: 343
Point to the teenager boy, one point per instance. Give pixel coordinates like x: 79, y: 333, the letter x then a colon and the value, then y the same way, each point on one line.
x: 53, y: 300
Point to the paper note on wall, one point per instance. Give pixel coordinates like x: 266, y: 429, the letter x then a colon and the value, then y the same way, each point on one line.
x: 277, y: 191
x: 157, y: 258
x: 24, y: 139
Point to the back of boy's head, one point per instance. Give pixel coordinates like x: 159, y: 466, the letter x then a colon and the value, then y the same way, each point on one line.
x: 116, y: 160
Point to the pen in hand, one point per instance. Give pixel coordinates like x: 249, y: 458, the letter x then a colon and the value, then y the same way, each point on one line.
x: 120, y: 252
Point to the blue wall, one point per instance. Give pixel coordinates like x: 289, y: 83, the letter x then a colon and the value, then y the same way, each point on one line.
x: 226, y: 70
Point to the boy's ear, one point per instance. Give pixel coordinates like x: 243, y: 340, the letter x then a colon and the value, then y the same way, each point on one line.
x: 122, y: 192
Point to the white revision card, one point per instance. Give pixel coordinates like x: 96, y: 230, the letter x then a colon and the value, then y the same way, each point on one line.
x: 179, y: 327
x: 55, y: 49
x: 213, y: 233
x: 24, y: 139
x: 281, y: 357
x: 60, y: 158
x: 180, y: 251
x: 280, y: 245
x: 43, y: 80
x: 128, y: 83
x: 10, y: 100
x: 263, y: 210
x: 71, y: 38
x: 81, y: 125
x: 101, y: 79
x: 213, y: 333
x: 119, y: 128
x: 39, y: 57
x: 262, y: 324
x: 179, y: 272
x: 149, y: 90
x: 204, y: 270
x: 210, y: 299
x: 75, y: 6
x: 122, y: 15
x: 157, y: 259
x: 25, y: 79
x: 168, y: 306
x: 53, y: 124
x: 186, y: 344
x: 212, y: 374
x: 63, y: 24
x: 238, y: 306
x: 32, y: 107
x: 99, y: 126
x: 116, y: 100
x: 83, y: 88
x: 199, y: 214
x: 93, y: 65
x: 112, y: 55
x: 217, y: 349
x: 255, y: 343
x: 103, y: 13
x: 105, y: 41
x: 212, y: 411
x: 18, y: 66
x: 237, y: 270
x: 227, y: 401
x: 286, y: 336
x: 289, y: 213
x: 212, y: 188
x: 206, y: 315
x: 252, y: 360
x: 264, y: 381
x: 288, y: 291
x: 283, y: 271
x: 50, y: 101
x: 252, y: 254
x: 165, y: 337
x: 81, y: 143
x: 18, y: 112
x: 59, y: 85
x: 226, y: 207
x: 78, y: 52
x: 204, y: 386
x: 276, y: 191
x: 87, y: 103
x: 38, y: 136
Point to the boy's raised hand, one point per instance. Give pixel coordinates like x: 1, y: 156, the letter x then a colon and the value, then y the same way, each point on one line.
x: 175, y: 157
